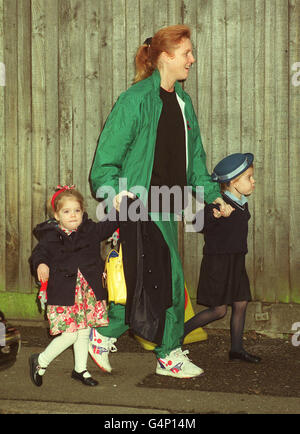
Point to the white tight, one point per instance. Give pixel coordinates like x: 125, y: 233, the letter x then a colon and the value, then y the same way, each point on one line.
x: 80, y: 342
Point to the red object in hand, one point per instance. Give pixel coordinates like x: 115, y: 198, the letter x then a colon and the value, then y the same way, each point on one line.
x: 44, y: 286
x: 43, y: 294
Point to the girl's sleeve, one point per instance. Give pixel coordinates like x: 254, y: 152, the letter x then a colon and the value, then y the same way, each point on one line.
x: 118, y: 133
x: 107, y: 226
x: 39, y: 256
x: 209, y: 218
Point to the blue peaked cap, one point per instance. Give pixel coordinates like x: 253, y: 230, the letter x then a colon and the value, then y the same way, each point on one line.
x: 231, y: 167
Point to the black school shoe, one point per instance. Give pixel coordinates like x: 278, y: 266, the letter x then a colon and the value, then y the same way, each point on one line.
x: 34, y: 370
x: 244, y: 357
x: 88, y: 381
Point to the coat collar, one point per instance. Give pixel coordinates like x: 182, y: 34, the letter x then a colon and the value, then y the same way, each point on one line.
x: 51, y: 228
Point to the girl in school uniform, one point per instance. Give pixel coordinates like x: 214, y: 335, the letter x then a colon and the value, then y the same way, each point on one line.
x: 68, y: 257
x: 223, y: 278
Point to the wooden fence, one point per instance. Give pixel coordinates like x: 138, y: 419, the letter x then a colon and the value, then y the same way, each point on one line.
x: 67, y: 61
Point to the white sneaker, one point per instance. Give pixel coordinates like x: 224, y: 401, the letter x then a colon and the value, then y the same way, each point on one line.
x: 177, y: 364
x: 99, y: 348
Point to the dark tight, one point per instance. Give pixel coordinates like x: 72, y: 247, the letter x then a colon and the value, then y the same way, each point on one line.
x: 237, y: 321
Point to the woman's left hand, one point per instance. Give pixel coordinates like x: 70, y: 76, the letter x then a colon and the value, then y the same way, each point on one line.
x: 225, y: 208
x: 118, y: 198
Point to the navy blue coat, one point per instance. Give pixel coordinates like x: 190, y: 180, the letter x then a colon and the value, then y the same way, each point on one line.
x: 65, y: 254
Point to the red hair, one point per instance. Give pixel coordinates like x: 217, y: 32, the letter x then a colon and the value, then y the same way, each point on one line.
x: 166, y: 40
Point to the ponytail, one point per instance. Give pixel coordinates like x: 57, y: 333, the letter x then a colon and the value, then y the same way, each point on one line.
x: 143, y: 64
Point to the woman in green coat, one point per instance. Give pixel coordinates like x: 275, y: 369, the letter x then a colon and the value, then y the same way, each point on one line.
x: 152, y: 139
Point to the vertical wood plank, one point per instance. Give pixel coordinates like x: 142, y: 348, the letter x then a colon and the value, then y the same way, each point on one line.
x: 77, y: 74
x: 133, y: 40
x: 294, y: 154
x: 11, y: 149
x: 190, y: 9
x: 247, y: 111
x: 203, y: 66
x: 38, y: 112
x: 106, y: 62
x: 147, y: 14
x: 51, y: 96
x: 270, y: 277
x: 233, y: 76
x: 92, y: 91
x: 219, y: 103
x: 259, y: 148
x: 160, y: 8
x: 174, y: 12
x: 2, y: 155
x: 65, y: 94
x: 119, y: 48
x: 281, y: 145
x: 24, y: 142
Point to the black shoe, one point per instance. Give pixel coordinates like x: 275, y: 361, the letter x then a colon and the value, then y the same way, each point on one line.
x: 34, y: 370
x: 244, y: 356
x: 88, y: 381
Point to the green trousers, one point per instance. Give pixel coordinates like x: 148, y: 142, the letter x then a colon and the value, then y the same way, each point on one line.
x: 174, y: 324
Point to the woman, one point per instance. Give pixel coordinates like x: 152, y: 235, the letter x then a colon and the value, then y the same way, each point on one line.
x: 152, y: 138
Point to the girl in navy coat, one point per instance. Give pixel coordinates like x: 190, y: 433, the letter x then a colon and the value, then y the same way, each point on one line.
x: 67, y: 256
x: 223, y: 278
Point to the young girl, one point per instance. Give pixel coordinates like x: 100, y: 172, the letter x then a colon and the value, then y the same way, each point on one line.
x: 223, y: 278
x: 68, y: 257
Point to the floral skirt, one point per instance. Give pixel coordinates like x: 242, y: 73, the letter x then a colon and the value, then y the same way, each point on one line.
x: 86, y: 311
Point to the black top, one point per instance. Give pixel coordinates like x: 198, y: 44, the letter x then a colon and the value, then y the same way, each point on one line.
x: 227, y: 234
x: 169, y: 166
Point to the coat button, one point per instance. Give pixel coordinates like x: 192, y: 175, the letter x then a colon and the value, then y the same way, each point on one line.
x: 149, y: 271
x: 155, y: 286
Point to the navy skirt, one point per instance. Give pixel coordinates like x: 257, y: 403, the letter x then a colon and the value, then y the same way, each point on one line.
x: 223, y: 280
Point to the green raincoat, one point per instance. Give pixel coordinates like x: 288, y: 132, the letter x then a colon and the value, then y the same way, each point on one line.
x: 127, y: 143
x: 126, y: 150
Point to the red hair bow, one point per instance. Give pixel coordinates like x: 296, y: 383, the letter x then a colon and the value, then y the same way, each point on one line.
x: 60, y: 189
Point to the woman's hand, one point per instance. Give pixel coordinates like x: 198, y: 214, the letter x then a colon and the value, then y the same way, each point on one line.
x: 43, y: 272
x: 217, y: 214
x: 225, y: 208
x: 118, y: 198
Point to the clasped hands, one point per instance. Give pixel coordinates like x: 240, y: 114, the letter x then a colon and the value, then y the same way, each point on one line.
x: 225, y: 209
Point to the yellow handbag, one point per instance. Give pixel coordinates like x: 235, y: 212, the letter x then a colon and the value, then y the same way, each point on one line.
x: 115, y: 280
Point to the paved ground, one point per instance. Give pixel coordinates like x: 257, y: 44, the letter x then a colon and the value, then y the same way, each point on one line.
x: 134, y: 389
